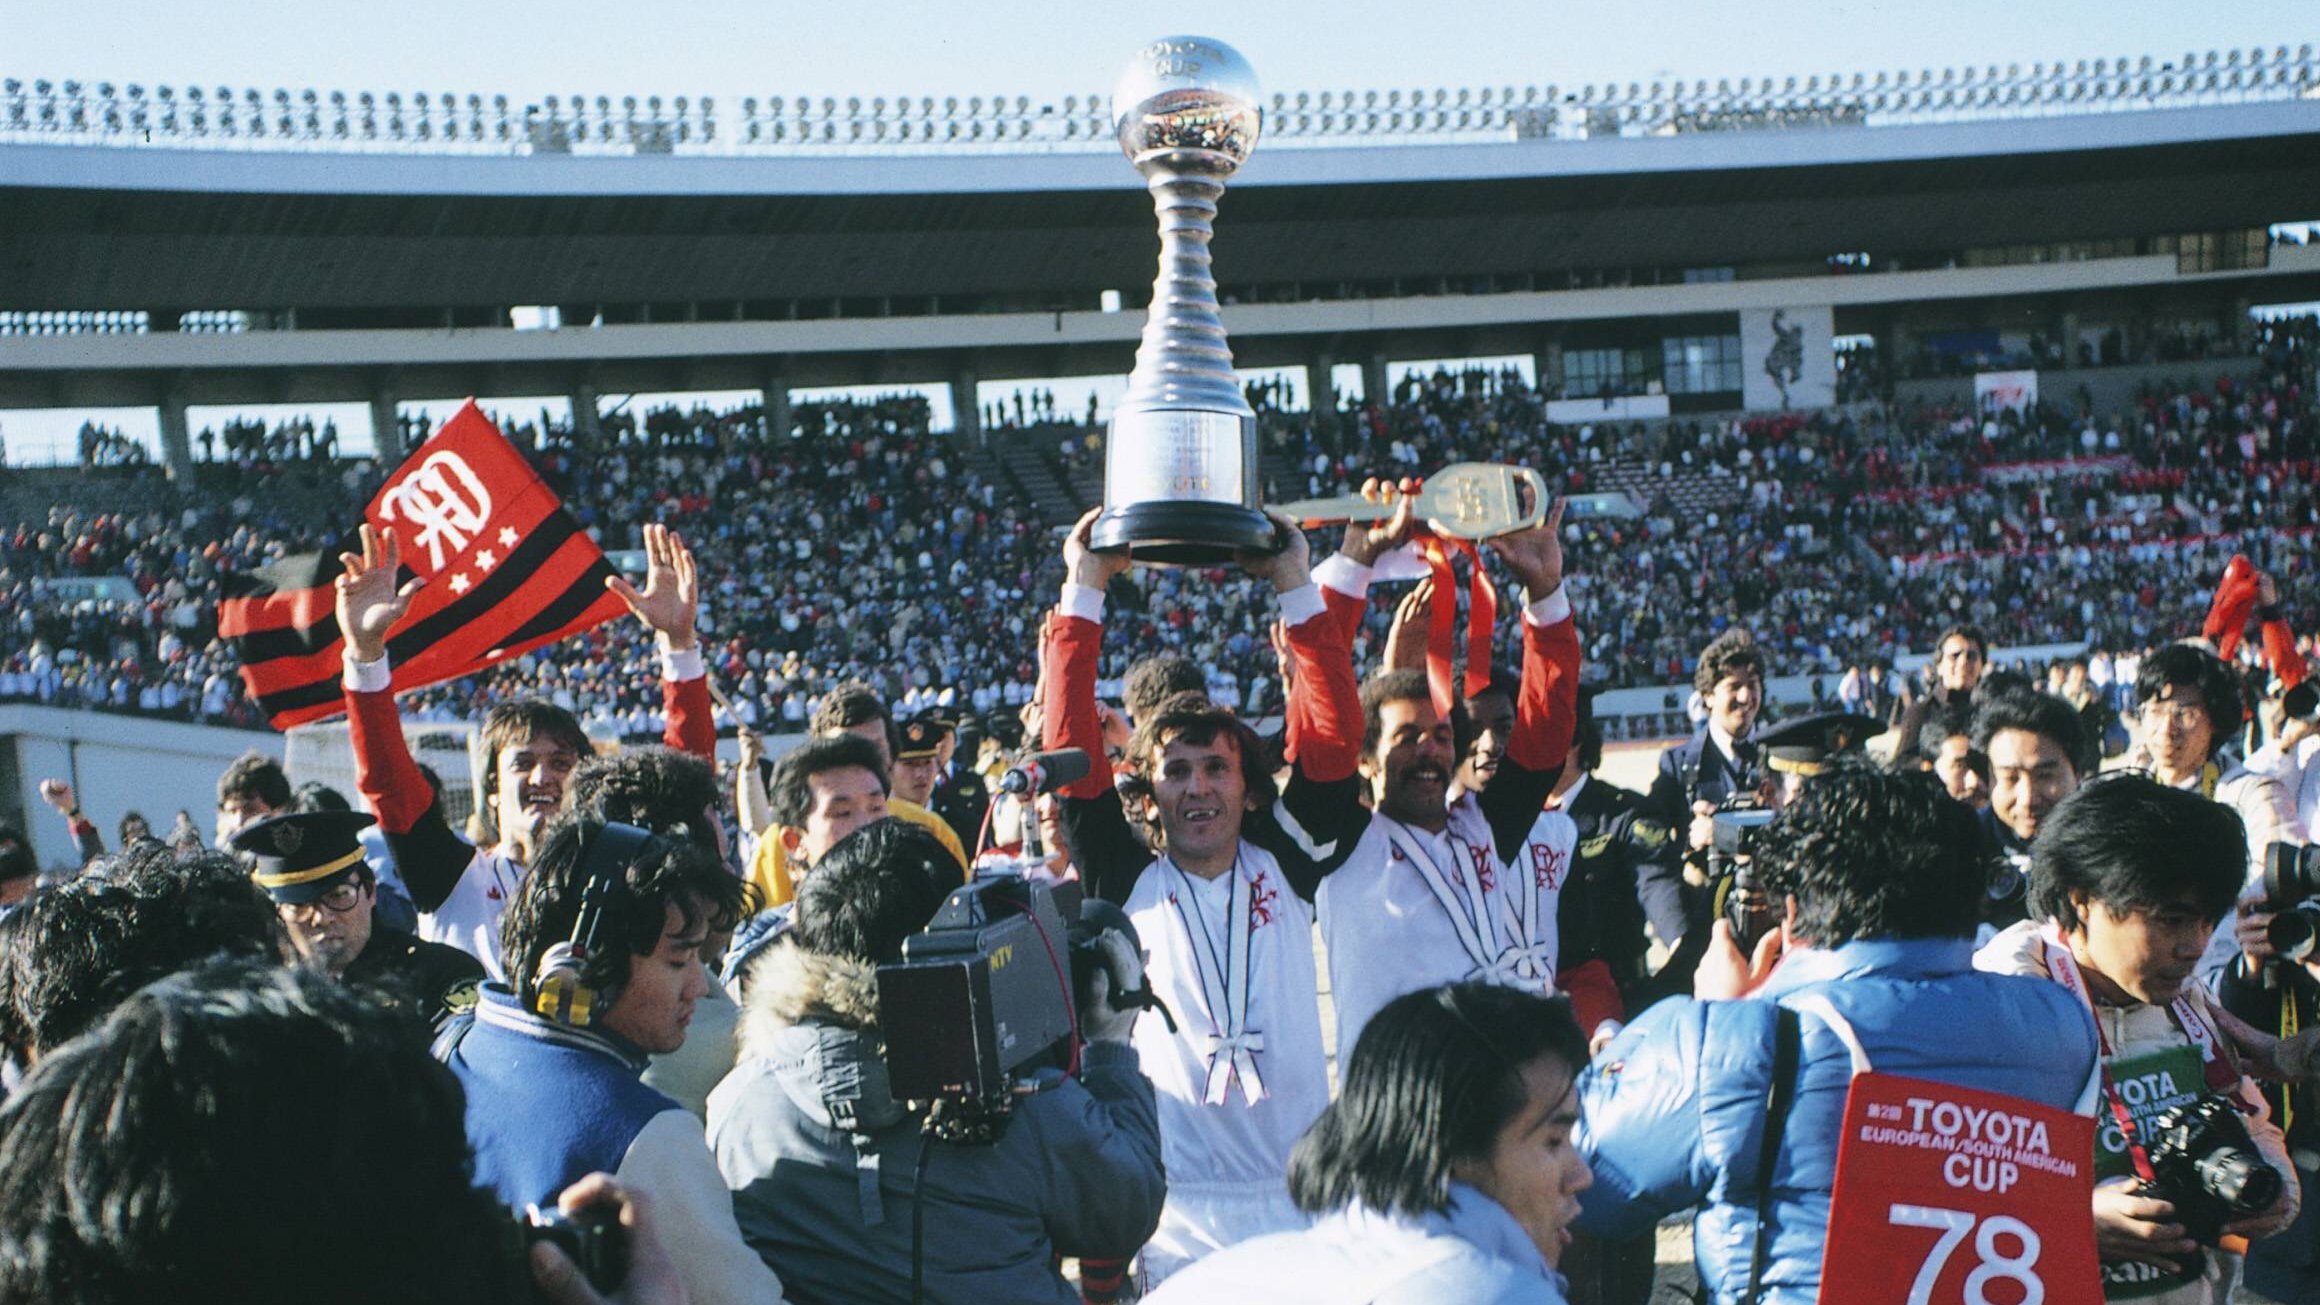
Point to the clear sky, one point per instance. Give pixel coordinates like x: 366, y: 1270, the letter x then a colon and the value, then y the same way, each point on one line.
x: 733, y: 48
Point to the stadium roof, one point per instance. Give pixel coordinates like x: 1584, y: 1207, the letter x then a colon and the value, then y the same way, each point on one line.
x: 95, y: 227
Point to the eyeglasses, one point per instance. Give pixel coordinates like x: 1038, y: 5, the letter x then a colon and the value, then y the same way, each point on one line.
x: 338, y: 901
x: 2183, y: 714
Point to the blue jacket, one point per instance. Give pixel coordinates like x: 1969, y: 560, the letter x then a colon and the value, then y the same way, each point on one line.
x: 1672, y: 1111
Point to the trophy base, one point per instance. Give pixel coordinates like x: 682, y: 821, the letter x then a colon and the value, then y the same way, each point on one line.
x: 1182, y: 533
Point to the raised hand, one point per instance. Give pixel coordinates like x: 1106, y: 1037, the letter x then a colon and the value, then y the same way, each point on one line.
x: 1288, y: 567
x: 1406, y: 637
x: 1082, y: 564
x: 670, y: 603
x: 1535, y: 555
x: 1367, y: 541
x: 369, y: 604
x: 59, y: 794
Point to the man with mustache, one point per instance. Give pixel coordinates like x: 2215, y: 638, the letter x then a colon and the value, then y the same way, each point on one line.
x: 1440, y: 891
x: 531, y: 747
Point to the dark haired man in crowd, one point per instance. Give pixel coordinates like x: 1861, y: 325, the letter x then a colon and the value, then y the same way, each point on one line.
x: 2128, y: 878
x: 1719, y: 760
x: 603, y: 945
x: 831, y: 1175
x: 1880, y: 876
x: 251, y: 789
x: 1626, y: 874
x: 672, y: 793
x: 311, y: 865
x: 19, y: 869
x: 531, y: 747
x: 1960, y: 656
x: 785, y: 849
x: 198, y: 1145
x: 2038, y: 755
x: 1225, y: 908
x: 75, y: 951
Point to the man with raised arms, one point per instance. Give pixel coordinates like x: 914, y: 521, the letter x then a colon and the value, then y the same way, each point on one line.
x: 1225, y: 911
x: 1440, y: 891
x: 531, y: 747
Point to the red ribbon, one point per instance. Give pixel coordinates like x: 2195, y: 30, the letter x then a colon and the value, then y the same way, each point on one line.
x: 1442, y: 622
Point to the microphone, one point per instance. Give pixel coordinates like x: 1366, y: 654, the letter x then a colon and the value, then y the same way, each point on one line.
x: 1045, y: 772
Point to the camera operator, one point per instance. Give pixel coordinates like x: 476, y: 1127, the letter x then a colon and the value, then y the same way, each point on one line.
x: 1445, y: 1173
x: 604, y: 940
x: 1739, y: 1104
x: 198, y: 1145
x: 2128, y: 878
x: 2038, y: 754
x: 1719, y: 761
x: 828, y: 1169
x: 2277, y: 995
x: 1225, y: 908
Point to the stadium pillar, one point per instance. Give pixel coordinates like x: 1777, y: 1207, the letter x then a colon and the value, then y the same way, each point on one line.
x: 775, y: 388
x: 1547, y: 367
x: 967, y: 405
x: 1321, y: 398
x: 587, y: 425
x: 386, y: 429
x: 1374, y: 392
x: 176, y: 441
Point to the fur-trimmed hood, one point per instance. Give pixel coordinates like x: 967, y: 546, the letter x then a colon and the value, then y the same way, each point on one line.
x: 791, y: 985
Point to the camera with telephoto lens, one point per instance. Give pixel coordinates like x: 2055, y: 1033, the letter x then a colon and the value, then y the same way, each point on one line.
x: 984, y: 995
x: 2292, y: 894
x: 2205, y: 1164
x: 1737, y: 886
x: 593, y: 1239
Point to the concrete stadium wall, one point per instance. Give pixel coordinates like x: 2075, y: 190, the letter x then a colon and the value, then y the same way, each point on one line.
x: 116, y: 764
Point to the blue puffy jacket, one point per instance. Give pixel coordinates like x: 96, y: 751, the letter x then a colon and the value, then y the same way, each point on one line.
x: 1672, y: 1111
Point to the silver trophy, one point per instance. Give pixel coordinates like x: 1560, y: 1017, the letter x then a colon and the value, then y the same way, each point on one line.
x: 1180, y: 467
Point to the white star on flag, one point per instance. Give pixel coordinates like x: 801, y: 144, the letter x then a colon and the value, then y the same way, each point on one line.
x: 459, y: 583
x: 486, y: 560
x: 508, y: 536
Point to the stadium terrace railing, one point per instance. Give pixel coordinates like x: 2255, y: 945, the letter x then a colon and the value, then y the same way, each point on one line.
x: 78, y: 113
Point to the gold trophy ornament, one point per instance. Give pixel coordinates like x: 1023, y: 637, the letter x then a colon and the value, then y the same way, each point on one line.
x: 1465, y: 500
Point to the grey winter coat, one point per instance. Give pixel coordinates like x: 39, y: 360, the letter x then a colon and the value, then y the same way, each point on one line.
x: 820, y: 1157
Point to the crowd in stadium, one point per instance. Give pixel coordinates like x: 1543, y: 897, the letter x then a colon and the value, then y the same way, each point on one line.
x: 870, y: 547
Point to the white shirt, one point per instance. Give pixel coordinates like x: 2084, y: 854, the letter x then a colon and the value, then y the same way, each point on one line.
x: 469, y: 918
x: 1234, y: 1140
x: 1387, y: 928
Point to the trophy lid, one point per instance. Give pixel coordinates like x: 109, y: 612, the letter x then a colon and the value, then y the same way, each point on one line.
x: 1189, y: 95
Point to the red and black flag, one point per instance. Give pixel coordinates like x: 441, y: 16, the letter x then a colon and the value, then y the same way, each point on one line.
x: 507, y: 570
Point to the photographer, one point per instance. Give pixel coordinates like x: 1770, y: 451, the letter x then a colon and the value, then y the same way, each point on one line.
x: 2128, y: 878
x: 1445, y: 1173
x: 1879, y: 874
x: 828, y: 1170
x: 1959, y: 658
x: 2279, y: 996
x: 1719, y: 760
x: 604, y: 942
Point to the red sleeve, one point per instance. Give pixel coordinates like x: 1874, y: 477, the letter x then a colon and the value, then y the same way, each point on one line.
x: 1324, y: 722
x: 692, y: 717
x: 1347, y: 611
x: 383, y: 770
x: 2280, y: 651
x: 1546, y: 712
x: 1068, y: 682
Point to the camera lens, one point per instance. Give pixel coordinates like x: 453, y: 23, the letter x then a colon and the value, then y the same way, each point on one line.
x: 2240, y: 1180
x: 2295, y: 932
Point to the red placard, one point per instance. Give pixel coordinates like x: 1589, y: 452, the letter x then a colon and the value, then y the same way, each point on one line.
x: 1952, y: 1196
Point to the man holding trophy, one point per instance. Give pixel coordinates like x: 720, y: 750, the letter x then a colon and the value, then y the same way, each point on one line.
x: 1240, y: 1070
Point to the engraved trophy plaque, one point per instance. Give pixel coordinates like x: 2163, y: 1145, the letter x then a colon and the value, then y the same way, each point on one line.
x: 1181, y: 483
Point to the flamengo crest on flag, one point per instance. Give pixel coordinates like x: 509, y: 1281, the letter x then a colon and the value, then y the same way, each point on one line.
x: 507, y: 570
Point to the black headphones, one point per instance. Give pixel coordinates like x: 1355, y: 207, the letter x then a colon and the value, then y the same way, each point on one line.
x: 561, y: 989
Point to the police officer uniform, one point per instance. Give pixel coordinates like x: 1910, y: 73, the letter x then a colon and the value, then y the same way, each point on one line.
x: 961, y: 795
x: 301, y: 857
